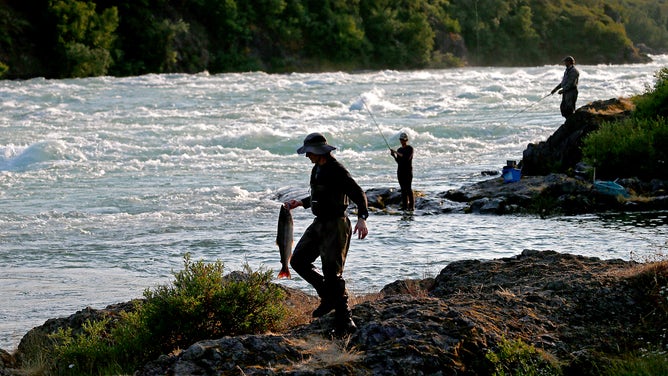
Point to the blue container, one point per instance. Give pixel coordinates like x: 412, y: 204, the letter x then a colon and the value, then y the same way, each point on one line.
x: 511, y: 175
x: 610, y: 188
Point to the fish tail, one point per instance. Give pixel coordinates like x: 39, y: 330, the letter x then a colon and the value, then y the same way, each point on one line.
x: 284, y: 273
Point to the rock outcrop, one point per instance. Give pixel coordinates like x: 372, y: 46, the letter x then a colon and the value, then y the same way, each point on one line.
x: 561, y: 151
x: 539, y: 195
x: 573, y: 308
x: 569, y: 306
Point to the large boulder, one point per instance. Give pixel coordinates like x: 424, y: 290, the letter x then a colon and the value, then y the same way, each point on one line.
x: 562, y: 151
x: 562, y: 304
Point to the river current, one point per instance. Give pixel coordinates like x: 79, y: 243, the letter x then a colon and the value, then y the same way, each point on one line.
x: 105, y: 183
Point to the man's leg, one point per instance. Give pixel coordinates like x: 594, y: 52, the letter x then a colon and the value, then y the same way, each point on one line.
x: 333, y: 260
x: 303, y: 257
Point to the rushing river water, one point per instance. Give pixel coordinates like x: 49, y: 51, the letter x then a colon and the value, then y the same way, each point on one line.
x: 105, y: 183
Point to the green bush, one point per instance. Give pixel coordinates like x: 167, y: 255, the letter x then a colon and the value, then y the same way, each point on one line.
x: 636, y: 146
x: 84, y: 37
x: 86, y: 354
x: 201, y: 304
x: 629, y: 148
x: 654, y: 103
x: 516, y: 358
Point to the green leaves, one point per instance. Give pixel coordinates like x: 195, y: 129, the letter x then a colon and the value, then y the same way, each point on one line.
x: 636, y: 146
x: 201, y: 303
x: 83, y: 37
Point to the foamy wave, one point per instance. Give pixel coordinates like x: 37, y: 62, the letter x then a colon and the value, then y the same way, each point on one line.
x: 16, y: 158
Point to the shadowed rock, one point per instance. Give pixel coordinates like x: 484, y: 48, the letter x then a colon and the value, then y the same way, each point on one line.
x: 561, y: 151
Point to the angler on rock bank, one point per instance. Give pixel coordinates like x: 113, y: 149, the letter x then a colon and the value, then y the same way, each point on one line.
x: 328, y: 237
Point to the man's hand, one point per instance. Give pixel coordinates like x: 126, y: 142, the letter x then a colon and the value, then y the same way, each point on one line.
x: 291, y: 204
x: 360, y: 229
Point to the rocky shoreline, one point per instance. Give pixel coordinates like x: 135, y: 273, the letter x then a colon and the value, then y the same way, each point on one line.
x: 553, y: 179
x: 554, y: 194
x: 580, y: 311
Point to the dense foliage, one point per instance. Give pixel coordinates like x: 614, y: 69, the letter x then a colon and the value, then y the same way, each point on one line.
x: 636, y: 146
x: 80, y: 38
x: 200, y: 304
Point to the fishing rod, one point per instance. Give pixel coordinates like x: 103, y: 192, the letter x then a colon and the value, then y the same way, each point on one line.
x: 528, y: 107
x: 374, y: 121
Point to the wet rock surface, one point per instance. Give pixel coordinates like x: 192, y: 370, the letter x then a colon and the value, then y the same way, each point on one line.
x: 540, y: 195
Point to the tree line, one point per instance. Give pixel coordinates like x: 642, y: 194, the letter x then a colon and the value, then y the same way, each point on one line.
x: 76, y: 38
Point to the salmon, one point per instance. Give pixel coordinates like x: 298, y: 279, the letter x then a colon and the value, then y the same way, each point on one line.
x: 284, y: 240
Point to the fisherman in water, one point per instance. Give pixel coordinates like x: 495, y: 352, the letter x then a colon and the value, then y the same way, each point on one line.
x: 568, y: 87
x: 404, y: 158
x: 329, y: 235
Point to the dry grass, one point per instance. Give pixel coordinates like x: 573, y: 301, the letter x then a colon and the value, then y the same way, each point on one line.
x: 355, y: 299
x: 320, y: 353
x: 506, y: 295
x: 624, y: 105
x: 298, y: 314
x: 652, y: 279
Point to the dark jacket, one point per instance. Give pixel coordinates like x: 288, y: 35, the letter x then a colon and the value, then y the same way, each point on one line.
x: 570, y: 80
x: 331, y: 187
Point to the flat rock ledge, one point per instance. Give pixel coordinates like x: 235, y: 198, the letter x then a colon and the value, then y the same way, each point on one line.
x: 573, y: 308
x: 543, y: 195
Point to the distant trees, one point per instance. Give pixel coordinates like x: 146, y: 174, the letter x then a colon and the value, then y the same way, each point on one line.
x: 79, y: 38
x: 83, y: 37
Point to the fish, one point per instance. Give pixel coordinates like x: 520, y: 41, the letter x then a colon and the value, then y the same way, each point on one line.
x: 285, y: 240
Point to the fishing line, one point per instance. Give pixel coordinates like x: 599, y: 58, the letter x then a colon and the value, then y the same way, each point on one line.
x: 528, y: 107
x: 374, y: 121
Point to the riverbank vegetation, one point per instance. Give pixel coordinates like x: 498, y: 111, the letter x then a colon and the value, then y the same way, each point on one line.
x: 76, y: 38
x: 174, y: 317
x: 201, y: 303
x: 636, y: 146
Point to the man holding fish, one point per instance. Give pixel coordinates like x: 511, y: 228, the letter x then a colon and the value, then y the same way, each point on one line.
x: 328, y: 237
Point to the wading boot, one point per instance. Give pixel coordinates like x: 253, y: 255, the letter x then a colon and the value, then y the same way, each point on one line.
x: 344, y: 327
x: 325, y: 307
x: 326, y: 303
x: 343, y: 318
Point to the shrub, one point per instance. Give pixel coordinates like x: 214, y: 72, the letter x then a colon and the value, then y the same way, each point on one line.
x: 654, y: 103
x: 201, y: 304
x: 628, y: 148
x: 515, y: 357
x: 636, y: 146
x: 85, y: 354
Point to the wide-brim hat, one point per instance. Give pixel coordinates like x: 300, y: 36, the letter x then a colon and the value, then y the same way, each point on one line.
x: 315, y: 143
x: 568, y: 58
